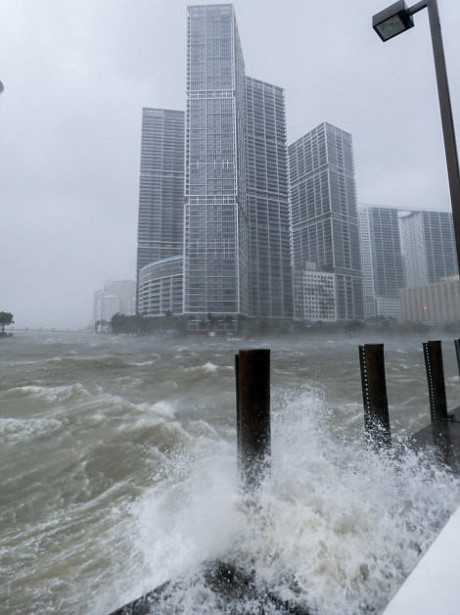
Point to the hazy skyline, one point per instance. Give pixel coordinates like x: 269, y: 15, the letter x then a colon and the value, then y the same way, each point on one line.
x: 76, y: 77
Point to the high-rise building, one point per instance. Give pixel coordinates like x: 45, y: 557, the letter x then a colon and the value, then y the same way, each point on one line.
x: 268, y: 201
x: 381, y: 261
x: 428, y: 246
x: 226, y: 211
x: 216, y: 260
x: 324, y: 216
x: 161, y: 186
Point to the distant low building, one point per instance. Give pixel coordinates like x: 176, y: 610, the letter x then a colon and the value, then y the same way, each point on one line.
x: 437, y: 303
x: 116, y: 298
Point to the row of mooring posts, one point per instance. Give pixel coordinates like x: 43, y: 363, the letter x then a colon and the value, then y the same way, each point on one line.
x: 252, y: 375
x: 375, y: 399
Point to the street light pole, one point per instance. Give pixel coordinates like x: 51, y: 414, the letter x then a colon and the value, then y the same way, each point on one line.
x: 447, y: 120
x: 396, y: 19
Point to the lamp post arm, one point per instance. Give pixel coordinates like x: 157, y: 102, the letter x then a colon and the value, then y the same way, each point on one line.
x: 418, y: 7
x: 450, y: 145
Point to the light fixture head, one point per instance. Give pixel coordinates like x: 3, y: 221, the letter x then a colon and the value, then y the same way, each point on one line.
x: 393, y: 20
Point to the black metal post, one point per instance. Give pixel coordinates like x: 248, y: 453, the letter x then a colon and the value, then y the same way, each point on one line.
x: 457, y: 352
x: 238, y: 427
x: 375, y: 399
x: 432, y: 351
x: 253, y: 415
x: 448, y: 130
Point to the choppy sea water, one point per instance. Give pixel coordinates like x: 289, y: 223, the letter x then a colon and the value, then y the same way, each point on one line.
x: 118, y: 472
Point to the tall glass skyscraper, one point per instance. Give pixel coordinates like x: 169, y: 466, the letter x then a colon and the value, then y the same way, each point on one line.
x: 324, y: 216
x: 161, y: 186
x: 216, y: 220
x: 381, y: 261
x: 268, y: 201
x: 428, y: 245
x: 230, y: 218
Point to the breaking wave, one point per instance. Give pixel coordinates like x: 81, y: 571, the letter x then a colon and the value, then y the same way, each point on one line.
x: 335, y: 528
x: 119, y: 473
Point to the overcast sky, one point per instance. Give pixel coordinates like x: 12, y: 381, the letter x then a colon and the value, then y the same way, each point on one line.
x: 78, y: 72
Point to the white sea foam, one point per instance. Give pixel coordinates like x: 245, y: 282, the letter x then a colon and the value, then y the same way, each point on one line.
x: 154, y: 358
x: 14, y: 430
x: 336, y: 526
x: 50, y: 394
x: 207, y: 368
x: 210, y: 368
x: 155, y: 412
x: 164, y: 409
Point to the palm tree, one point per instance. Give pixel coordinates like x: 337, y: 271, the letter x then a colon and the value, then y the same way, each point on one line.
x: 6, y: 318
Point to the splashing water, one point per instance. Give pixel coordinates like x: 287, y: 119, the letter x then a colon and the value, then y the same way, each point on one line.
x: 119, y: 473
x: 336, y: 526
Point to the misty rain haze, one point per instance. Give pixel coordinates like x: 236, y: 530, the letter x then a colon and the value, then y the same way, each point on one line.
x: 261, y: 174
x: 77, y: 76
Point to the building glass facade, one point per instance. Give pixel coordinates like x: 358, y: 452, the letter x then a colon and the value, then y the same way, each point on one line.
x: 161, y: 287
x: 436, y: 303
x: 224, y: 206
x: 314, y: 296
x: 161, y: 186
x: 324, y: 216
x: 216, y: 223
x: 268, y: 201
x: 428, y: 245
x: 381, y: 261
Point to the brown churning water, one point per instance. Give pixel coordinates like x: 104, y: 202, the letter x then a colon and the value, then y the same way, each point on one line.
x: 118, y: 460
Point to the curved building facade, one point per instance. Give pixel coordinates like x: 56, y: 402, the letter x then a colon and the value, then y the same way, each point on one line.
x: 161, y: 287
